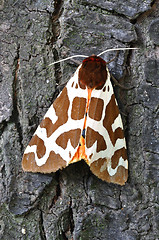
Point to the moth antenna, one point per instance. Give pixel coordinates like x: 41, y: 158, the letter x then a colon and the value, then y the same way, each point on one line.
x: 85, y: 56
x: 114, y: 49
x: 65, y: 59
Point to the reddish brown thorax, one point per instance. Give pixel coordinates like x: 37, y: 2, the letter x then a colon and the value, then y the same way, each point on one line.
x: 93, y: 73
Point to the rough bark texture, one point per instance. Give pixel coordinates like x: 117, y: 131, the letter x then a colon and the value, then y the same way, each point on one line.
x: 73, y: 203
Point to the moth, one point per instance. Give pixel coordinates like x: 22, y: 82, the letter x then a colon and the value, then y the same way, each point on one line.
x: 83, y: 122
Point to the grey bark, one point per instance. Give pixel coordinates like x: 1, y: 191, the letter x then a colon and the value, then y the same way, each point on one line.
x: 73, y: 203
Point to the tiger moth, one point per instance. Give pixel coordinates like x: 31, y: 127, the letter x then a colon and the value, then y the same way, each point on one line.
x: 82, y: 123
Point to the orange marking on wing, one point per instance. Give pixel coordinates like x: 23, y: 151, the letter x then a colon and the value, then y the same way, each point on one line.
x: 81, y: 153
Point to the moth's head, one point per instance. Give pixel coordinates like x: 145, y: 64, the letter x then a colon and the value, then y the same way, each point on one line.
x: 92, y: 73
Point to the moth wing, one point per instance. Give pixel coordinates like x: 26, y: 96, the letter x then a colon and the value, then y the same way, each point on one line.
x: 56, y: 139
x: 105, y: 142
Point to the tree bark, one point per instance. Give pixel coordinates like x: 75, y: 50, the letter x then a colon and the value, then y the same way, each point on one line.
x: 72, y: 203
